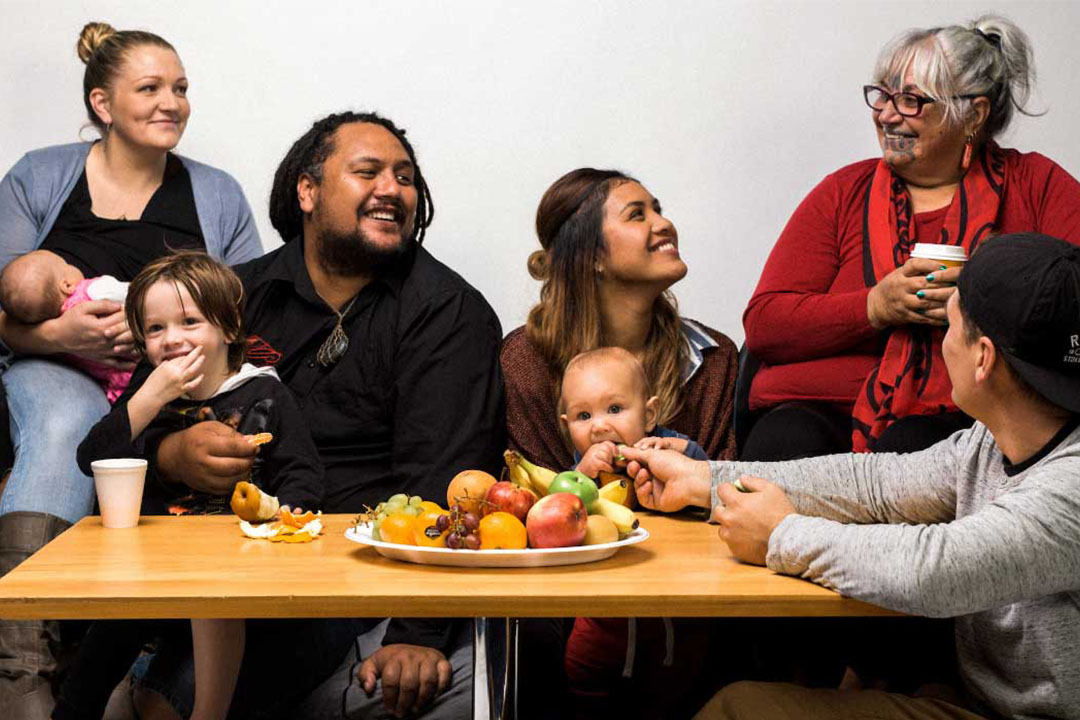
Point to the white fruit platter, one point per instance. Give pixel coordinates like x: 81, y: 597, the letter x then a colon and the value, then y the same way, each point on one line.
x: 494, y: 558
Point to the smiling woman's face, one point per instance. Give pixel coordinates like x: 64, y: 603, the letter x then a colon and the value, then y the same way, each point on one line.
x: 641, y: 245
x: 146, y: 103
x: 918, y: 148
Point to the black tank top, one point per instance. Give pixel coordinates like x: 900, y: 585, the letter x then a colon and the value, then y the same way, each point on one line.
x: 99, y: 246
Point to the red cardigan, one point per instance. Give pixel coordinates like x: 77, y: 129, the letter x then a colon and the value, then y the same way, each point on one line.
x: 532, y: 422
x: 807, y: 319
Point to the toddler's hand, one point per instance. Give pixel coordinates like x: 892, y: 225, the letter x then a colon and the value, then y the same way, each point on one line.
x: 661, y: 443
x: 598, y: 458
x: 173, y: 378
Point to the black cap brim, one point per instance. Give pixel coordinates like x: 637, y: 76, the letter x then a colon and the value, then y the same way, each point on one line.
x: 1058, y: 388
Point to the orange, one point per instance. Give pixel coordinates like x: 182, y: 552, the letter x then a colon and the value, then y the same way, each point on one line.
x: 425, y: 523
x: 432, y: 506
x: 398, y: 528
x: 468, y: 489
x: 502, y: 531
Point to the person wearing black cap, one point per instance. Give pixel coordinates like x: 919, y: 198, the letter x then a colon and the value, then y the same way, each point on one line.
x: 983, y: 526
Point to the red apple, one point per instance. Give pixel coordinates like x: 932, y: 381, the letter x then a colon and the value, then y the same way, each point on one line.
x: 508, y: 497
x: 557, y: 520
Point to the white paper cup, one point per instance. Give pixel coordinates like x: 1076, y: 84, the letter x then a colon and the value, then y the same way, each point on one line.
x: 947, y: 255
x: 119, y: 486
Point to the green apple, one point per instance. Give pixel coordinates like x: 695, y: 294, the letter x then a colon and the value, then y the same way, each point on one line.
x: 577, y: 483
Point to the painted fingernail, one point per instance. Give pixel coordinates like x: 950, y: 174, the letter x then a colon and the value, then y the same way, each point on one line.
x: 942, y: 267
x: 930, y: 278
x: 920, y: 294
x: 920, y: 311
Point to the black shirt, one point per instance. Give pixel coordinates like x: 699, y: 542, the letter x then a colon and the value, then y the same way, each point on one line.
x: 418, y: 396
x: 288, y: 466
x: 121, y: 248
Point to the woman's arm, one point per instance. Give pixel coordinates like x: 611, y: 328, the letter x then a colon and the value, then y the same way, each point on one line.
x: 18, y: 222
x: 801, y: 308
x: 1058, y: 203
x: 94, y: 329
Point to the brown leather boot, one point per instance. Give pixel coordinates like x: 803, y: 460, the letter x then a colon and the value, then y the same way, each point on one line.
x: 26, y: 646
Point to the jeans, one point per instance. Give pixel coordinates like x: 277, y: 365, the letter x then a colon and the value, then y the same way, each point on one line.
x: 52, y: 408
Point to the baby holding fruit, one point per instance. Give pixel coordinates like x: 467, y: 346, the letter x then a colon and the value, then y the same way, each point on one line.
x: 184, y: 311
x: 605, y: 401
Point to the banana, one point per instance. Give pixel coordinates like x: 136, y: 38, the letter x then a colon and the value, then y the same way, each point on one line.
x: 616, y: 491
x: 623, y: 517
x: 629, y: 498
x: 519, y: 477
x: 539, y: 477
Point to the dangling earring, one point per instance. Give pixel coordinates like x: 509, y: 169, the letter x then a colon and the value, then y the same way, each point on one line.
x: 965, y: 163
x: 599, y: 269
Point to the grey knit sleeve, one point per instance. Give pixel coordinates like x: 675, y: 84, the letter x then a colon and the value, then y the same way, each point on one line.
x: 1021, y: 543
x: 864, y: 487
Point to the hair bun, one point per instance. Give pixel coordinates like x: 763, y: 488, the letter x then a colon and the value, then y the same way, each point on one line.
x: 538, y: 265
x: 90, y: 39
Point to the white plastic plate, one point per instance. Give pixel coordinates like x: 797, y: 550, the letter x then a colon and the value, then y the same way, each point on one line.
x: 494, y: 558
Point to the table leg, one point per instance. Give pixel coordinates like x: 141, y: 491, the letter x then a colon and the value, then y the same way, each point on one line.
x: 495, y: 649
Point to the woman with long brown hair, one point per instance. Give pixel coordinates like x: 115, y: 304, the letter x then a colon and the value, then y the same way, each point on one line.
x: 608, y: 258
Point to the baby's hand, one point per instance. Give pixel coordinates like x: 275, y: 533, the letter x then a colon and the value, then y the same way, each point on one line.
x: 598, y: 458
x: 662, y: 443
x: 173, y: 378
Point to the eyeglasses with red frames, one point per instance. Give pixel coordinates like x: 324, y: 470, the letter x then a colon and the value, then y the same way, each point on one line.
x: 907, y: 104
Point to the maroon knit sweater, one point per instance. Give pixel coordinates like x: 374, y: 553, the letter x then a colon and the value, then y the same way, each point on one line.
x: 532, y: 422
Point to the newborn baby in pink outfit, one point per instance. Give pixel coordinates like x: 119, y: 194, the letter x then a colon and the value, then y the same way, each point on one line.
x: 41, y: 285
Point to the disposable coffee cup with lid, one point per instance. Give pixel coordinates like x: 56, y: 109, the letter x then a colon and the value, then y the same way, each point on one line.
x: 947, y: 255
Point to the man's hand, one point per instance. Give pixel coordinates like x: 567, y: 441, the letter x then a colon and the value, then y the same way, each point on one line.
x: 747, y: 519
x: 662, y: 443
x: 599, y: 457
x: 209, y: 457
x: 412, y: 675
x: 666, y: 480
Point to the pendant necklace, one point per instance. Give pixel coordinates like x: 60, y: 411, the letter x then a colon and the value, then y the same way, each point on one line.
x: 337, y: 343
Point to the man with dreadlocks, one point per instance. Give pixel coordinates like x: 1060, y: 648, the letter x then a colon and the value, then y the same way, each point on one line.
x: 394, y: 361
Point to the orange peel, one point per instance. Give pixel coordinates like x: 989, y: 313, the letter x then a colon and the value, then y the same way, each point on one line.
x: 296, y: 521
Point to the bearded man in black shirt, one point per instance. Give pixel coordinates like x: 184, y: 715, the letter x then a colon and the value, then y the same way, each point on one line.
x: 393, y: 359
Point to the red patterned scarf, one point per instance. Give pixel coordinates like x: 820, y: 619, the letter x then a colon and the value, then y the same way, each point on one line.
x: 911, y: 378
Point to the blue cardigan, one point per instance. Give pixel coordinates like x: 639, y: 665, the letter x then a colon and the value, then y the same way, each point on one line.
x: 34, y: 191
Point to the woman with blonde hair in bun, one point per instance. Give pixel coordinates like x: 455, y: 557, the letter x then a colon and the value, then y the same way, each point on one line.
x: 107, y: 207
x: 608, y: 258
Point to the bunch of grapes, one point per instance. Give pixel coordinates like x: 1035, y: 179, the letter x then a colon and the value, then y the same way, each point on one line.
x: 395, y: 503
x: 464, y: 529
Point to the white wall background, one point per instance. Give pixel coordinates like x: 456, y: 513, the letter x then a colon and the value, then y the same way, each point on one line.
x: 728, y: 111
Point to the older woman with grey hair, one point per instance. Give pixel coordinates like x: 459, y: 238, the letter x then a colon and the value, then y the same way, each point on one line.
x: 847, y: 325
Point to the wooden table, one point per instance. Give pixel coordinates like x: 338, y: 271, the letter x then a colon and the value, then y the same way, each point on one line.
x: 202, y: 567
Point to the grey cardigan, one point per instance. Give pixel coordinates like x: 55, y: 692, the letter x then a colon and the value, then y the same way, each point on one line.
x: 34, y: 191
